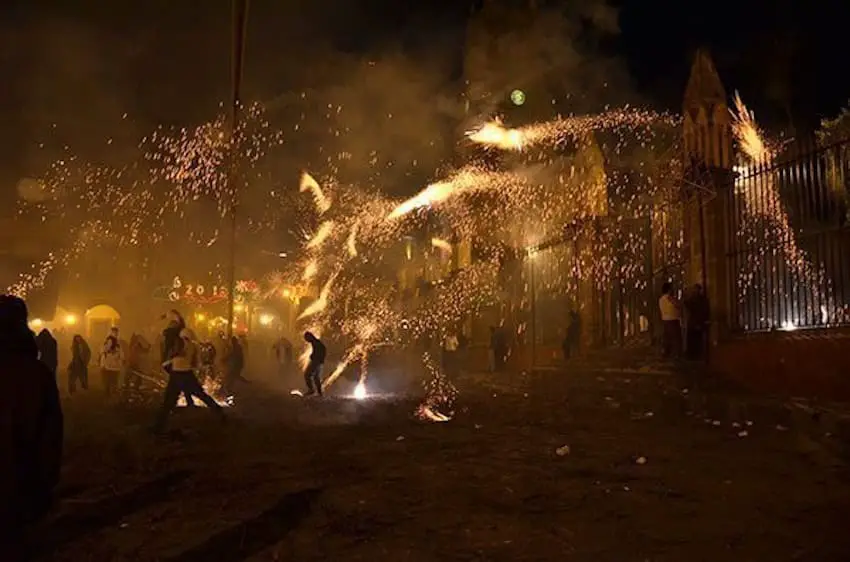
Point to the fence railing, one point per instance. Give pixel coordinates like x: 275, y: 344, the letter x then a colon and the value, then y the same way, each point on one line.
x: 789, y: 240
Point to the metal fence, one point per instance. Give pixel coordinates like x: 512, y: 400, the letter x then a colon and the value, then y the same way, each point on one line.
x: 789, y: 241
x: 609, y: 271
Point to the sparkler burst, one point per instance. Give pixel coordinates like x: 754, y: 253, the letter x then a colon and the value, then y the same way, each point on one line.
x: 596, y: 175
x: 767, y: 229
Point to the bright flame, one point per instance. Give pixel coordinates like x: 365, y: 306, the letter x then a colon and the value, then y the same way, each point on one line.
x: 747, y: 133
x: 494, y: 134
x: 351, y: 243
x: 320, y: 303
x: 428, y: 414
x: 325, y: 230
x: 310, y: 270
x: 311, y: 185
x: 441, y: 244
x: 360, y: 391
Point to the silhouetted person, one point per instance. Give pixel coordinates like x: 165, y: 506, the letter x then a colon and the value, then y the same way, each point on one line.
x: 283, y: 355
x: 170, y: 343
x: 30, y: 432
x: 48, y: 350
x: 235, y: 364
x: 78, y: 369
x: 313, y: 372
x: 696, y: 306
x: 111, y: 362
x: 671, y: 321
x: 573, y: 335
x: 136, y: 360
x: 181, y: 378
x: 498, y: 349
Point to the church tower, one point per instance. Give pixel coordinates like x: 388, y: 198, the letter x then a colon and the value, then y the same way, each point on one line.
x: 707, y: 123
x: 708, y: 158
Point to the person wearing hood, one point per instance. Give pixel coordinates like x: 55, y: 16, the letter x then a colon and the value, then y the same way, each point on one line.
x: 181, y: 368
x: 48, y: 352
x: 31, y: 431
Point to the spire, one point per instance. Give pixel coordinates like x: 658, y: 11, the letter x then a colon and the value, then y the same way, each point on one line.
x: 704, y: 87
x: 706, y: 128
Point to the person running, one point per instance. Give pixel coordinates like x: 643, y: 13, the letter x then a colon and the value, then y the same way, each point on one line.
x: 181, y: 378
x: 111, y: 362
x: 78, y: 369
x: 313, y: 372
x: 170, y: 341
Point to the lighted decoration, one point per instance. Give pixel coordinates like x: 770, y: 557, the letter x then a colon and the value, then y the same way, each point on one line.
x: 518, y: 97
x: 193, y: 293
x: 247, y: 290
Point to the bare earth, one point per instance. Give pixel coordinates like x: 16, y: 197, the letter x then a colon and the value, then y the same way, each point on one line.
x: 297, y: 479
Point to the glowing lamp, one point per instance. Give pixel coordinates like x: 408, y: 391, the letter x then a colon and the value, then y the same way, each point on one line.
x: 518, y: 97
x: 286, y: 293
x: 70, y: 319
x: 200, y: 317
x: 239, y: 308
x: 266, y: 319
x: 36, y: 323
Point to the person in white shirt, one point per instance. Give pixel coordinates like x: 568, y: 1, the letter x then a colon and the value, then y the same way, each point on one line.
x: 182, y: 363
x: 671, y: 320
x: 111, y: 362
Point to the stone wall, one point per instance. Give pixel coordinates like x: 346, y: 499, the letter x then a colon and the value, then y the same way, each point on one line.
x: 812, y: 364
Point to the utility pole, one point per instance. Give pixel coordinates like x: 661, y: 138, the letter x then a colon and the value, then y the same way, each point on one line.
x: 240, y: 21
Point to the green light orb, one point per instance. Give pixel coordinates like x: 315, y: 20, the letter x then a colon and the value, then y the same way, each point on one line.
x: 518, y: 97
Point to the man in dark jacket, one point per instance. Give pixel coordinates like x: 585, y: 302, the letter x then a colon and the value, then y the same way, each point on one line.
x: 31, y: 429
x: 313, y: 373
x: 48, y: 350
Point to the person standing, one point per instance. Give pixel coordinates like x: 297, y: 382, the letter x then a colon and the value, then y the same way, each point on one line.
x: 696, y: 306
x: 313, y: 372
x: 181, y: 379
x: 111, y: 362
x: 450, y: 347
x: 671, y: 321
x: 283, y: 355
x: 136, y: 360
x: 78, y: 369
x: 31, y: 431
x: 48, y: 351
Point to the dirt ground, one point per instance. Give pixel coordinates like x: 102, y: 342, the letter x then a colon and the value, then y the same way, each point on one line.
x: 646, y: 476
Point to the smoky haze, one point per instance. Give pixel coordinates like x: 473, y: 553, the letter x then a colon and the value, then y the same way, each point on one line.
x: 370, y: 94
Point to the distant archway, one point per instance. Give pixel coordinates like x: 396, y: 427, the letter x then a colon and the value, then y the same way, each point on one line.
x: 99, y: 319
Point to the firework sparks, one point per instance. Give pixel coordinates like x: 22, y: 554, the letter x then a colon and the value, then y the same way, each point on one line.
x: 311, y: 185
x: 766, y: 224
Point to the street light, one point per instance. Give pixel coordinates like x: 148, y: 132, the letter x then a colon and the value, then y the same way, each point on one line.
x: 240, y: 21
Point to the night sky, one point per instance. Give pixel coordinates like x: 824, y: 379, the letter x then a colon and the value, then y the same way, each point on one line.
x: 85, y: 64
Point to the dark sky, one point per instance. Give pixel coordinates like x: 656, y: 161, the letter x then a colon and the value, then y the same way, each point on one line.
x: 85, y: 64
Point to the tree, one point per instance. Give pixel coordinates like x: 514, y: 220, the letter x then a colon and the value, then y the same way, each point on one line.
x: 836, y: 129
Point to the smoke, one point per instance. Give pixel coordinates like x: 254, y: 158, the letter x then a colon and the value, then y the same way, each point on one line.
x: 555, y: 56
x: 75, y: 94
